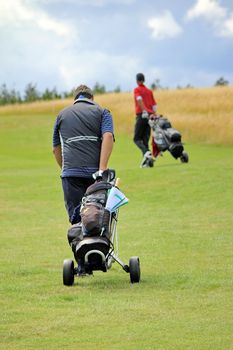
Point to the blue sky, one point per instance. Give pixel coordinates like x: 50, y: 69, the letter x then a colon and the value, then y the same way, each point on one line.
x: 64, y: 43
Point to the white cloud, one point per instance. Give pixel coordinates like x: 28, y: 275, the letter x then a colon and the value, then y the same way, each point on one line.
x: 164, y: 26
x: 38, y: 48
x: 17, y: 13
x: 227, y: 27
x: 34, y: 44
x: 95, y: 3
x: 104, y: 2
x: 209, y: 9
x: 218, y: 16
x: 98, y: 66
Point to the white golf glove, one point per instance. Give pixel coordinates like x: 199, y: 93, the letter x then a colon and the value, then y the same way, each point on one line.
x: 145, y: 114
x: 98, y: 175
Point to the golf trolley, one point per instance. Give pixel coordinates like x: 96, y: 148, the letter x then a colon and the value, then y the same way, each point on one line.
x: 97, y: 246
x: 167, y: 138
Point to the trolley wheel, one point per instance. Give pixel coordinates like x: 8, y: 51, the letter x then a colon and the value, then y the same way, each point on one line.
x: 68, y: 272
x: 134, y: 269
x: 184, y: 158
x: 151, y: 163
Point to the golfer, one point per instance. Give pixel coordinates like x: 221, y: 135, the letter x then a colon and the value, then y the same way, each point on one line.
x: 145, y: 107
x: 82, y: 145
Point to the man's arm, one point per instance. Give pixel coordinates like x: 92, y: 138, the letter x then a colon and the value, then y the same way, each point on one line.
x: 57, y: 143
x: 141, y: 103
x: 107, y: 139
x: 139, y: 100
x: 154, y: 106
x: 106, y: 150
x: 58, y: 155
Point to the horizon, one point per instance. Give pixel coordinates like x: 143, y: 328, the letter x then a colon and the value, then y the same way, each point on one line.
x: 116, y: 90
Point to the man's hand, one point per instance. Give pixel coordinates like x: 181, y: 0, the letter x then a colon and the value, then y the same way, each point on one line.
x: 98, y: 175
x: 145, y: 114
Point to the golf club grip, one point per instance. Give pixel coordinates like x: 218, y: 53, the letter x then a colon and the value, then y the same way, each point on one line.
x: 117, y: 182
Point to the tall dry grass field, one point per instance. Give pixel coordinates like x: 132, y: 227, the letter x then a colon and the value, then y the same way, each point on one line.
x: 202, y: 115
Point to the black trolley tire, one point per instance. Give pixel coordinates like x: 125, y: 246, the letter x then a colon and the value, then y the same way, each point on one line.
x: 68, y: 272
x: 184, y: 158
x: 134, y: 269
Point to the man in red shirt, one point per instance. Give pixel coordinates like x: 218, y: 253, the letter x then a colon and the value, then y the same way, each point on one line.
x: 145, y: 105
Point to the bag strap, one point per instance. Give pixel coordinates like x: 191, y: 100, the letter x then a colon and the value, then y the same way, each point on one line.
x: 97, y: 186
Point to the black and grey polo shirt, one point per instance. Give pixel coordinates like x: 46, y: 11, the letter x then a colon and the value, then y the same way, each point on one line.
x: 79, y: 129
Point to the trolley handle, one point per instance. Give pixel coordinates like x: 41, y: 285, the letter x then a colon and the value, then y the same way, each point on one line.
x: 117, y: 182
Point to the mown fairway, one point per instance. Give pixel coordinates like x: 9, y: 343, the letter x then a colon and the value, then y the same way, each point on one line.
x: 179, y: 222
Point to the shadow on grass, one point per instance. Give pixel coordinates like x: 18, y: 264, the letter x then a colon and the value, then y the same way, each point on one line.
x: 168, y: 165
x: 104, y: 282
x: 122, y: 282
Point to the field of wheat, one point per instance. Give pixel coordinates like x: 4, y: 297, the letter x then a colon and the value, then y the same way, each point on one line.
x: 202, y: 115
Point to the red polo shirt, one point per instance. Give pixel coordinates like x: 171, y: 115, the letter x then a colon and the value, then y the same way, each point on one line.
x: 147, y: 97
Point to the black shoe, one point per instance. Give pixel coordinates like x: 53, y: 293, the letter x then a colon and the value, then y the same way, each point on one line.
x: 147, y: 160
x: 151, y: 163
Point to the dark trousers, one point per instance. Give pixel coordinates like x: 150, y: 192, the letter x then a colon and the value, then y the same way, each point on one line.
x: 74, y: 189
x: 142, y: 133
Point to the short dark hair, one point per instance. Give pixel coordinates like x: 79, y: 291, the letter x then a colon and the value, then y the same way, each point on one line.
x: 140, y: 77
x: 84, y: 91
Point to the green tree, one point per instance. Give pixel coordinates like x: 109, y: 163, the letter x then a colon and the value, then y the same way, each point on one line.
x: 221, y: 82
x: 4, y: 95
x: 68, y: 94
x: 50, y: 94
x: 9, y: 96
x: 47, y: 95
x: 55, y: 94
x: 14, y: 97
x: 31, y: 93
x: 99, y: 89
x: 117, y: 89
x: 156, y: 84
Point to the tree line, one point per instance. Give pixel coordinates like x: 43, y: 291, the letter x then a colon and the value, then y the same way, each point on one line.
x: 156, y: 85
x: 31, y: 93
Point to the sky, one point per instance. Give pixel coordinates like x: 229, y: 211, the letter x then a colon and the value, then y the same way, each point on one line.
x: 64, y: 43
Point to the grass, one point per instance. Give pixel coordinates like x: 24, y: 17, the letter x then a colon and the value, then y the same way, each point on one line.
x: 178, y: 221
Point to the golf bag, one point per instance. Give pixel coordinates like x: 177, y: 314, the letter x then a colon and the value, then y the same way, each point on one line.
x: 94, y: 216
x: 167, y: 138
